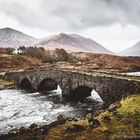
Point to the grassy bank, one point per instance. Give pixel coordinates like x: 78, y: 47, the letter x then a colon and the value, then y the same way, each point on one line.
x: 124, y: 123
x: 6, y: 83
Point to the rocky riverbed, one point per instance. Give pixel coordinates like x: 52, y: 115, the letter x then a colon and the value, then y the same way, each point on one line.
x: 119, y: 121
x: 20, y: 109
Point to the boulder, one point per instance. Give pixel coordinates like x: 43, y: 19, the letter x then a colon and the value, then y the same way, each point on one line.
x: 2, y: 87
x: 75, y: 128
x: 61, y: 118
x: 33, y: 126
x: 106, y: 119
x: 112, y: 108
x: 93, y: 122
x: 97, y: 113
x: 115, y: 112
x: 22, y: 129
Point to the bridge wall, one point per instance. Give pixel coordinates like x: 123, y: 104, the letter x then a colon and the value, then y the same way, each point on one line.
x: 110, y: 89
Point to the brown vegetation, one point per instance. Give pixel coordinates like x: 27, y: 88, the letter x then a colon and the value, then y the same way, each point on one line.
x: 109, y: 62
x: 47, y: 56
x: 6, y: 50
x: 80, y: 60
x: 17, y: 62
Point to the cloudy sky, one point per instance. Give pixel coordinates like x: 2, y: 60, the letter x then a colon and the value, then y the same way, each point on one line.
x: 113, y: 23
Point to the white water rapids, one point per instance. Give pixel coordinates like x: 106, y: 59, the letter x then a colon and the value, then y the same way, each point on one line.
x: 19, y: 108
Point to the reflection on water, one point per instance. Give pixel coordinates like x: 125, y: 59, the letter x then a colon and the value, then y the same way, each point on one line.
x: 132, y: 73
x: 19, y: 108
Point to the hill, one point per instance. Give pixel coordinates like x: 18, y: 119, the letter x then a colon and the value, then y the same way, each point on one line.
x: 72, y: 43
x: 132, y: 51
x: 10, y: 38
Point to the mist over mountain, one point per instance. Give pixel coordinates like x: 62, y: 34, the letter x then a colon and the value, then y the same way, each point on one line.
x: 13, y: 38
x: 132, y: 51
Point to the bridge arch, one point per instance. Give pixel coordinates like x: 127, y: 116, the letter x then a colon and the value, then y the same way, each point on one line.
x: 83, y: 93
x: 47, y: 84
x: 25, y: 84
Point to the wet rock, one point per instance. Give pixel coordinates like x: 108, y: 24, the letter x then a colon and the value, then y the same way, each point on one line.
x: 11, y: 87
x: 75, y: 119
x: 44, y: 130
x: 2, y: 87
x: 115, y: 112
x: 69, y: 119
x: 14, y: 131
x: 106, y: 119
x: 53, y: 124
x: 22, y: 129
x: 75, y: 128
x: 112, y: 108
x: 61, y: 118
x: 118, y: 104
x: 97, y: 113
x: 84, y: 106
x: 33, y: 126
x: 88, y: 116
x: 94, y: 122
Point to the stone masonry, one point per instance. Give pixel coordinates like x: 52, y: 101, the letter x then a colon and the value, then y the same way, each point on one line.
x: 109, y: 88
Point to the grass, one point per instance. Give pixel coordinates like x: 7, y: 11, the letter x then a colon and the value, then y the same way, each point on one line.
x: 5, y: 82
x: 125, y: 123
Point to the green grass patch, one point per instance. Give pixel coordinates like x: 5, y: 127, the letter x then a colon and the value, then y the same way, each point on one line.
x: 124, y: 124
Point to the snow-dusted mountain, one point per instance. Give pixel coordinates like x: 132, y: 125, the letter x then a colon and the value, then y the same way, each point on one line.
x: 132, y: 51
x: 13, y: 38
x: 72, y: 43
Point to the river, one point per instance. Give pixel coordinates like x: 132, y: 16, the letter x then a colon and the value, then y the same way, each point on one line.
x: 21, y: 108
x: 132, y: 73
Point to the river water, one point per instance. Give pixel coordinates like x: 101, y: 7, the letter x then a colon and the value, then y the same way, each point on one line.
x: 21, y: 108
x: 132, y: 73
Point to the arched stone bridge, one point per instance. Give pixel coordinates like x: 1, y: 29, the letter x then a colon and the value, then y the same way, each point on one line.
x: 110, y: 88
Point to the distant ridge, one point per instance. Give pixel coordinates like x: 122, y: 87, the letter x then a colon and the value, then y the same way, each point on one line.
x: 132, y: 51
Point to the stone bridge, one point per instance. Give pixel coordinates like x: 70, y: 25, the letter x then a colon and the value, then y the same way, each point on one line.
x: 79, y: 84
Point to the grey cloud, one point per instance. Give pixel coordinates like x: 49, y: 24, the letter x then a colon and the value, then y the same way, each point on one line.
x: 73, y: 14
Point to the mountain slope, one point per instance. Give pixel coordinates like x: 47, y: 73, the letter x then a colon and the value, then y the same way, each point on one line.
x: 13, y: 38
x: 72, y: 43
x: 132, y: 51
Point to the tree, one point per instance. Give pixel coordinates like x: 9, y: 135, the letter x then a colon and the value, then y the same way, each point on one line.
x: 61, y: 55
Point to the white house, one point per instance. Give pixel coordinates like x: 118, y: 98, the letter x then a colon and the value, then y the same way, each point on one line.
x: 17, y: 51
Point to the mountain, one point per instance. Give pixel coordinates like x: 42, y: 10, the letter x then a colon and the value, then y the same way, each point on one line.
x: 72, y: 43
x: 132, y: 51
x: 13, y: 38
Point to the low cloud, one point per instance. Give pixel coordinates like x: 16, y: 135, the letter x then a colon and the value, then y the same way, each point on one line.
x: 72, y: 15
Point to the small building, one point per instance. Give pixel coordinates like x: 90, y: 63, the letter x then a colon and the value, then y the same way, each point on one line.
x: 20, y: 50
x: 17, y: 51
